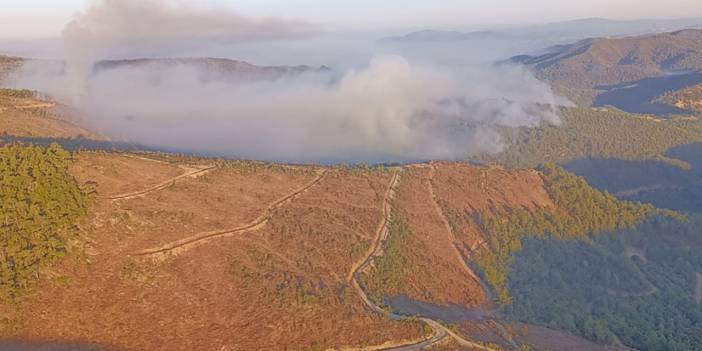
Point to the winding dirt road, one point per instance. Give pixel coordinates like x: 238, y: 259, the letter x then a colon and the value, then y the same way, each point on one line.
x: 190, y: 172
x: 183, y: 245
x: 440, y: 331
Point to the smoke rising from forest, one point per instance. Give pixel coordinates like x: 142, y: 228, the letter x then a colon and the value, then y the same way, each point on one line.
x: 388, y: 109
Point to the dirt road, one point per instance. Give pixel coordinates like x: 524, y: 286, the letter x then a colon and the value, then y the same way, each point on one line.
x: 440, y: 331
x: 183, y: 245
x: 449, y: 230
x: 190, y: 172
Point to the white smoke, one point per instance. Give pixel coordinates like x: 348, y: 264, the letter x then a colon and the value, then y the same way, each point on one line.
x: 388, y: 110
x: 130, y: 27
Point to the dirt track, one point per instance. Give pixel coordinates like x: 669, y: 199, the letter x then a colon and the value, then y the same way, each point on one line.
x: 183, y: 245
x: 452, y: 236
x: 440, y: 331
x: 190, y: 172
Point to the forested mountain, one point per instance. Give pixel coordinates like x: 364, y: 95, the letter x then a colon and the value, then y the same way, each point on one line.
x: 600, y: 62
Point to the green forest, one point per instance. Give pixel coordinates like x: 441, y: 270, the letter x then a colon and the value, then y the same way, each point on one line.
x: 634, y: 286
x: 596, y: 133
x: 580, y: 210
x: 392, y: 266
x: 40, y: 206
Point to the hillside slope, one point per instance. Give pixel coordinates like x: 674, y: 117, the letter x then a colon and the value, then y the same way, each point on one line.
x: 600, y: 62
x: 22, y: 114
x: 178, y: 252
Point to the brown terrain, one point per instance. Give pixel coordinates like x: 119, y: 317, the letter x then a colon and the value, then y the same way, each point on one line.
x: 486, y: 187
x: 282, y: 286
x: 284, y: 283
x: 26, y: 116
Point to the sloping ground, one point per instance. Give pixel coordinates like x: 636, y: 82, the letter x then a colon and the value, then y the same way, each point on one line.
x: 463, y: 191
x: 284, y: 283
x: 282, y: 287
x: 23, y: 115
x: 116, y: 174
x: 605, y: 62
x: 598, y: 133
x: 434, y: 271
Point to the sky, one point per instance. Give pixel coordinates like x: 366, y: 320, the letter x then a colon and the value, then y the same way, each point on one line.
x: 22, y: 19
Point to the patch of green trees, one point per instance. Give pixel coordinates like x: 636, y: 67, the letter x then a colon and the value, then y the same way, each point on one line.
x: 391, y: 267
x: 40, y: 205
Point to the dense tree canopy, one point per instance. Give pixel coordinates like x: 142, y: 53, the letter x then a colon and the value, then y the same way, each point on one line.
x: 40, y: 204
x: 597, y: 133
x: 637, y: 286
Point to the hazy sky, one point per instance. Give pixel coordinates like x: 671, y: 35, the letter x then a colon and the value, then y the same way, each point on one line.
x: 46, y: 18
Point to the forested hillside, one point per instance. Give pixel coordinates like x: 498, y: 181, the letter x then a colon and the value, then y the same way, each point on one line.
x: 640, y: 287
x: 610, y: 61
x: 579, y: 210
x: 40, y: 204
x: 597, y: 133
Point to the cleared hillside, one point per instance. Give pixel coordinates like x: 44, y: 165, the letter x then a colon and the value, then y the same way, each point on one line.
x: 178, y: 252
x: 23, y: 114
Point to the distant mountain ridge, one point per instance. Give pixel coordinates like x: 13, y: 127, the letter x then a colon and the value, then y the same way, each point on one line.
x: 557, y: 32
x: 594, y: 63
x: 212, y: 68
x: 441, y: 35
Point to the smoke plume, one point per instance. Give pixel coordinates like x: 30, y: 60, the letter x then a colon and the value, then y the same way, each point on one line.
x: 390, y: 109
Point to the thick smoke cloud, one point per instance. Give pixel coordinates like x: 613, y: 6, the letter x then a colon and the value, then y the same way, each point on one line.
x: 118, y: 28
x: 390, y: 109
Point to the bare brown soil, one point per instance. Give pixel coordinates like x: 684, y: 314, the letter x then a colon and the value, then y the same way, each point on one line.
x: 281, y: 288
x: 285, y: 285
x: 463, y: 191
x: 28, y: 117
x: 116, y: 174
x: 438, y: 274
